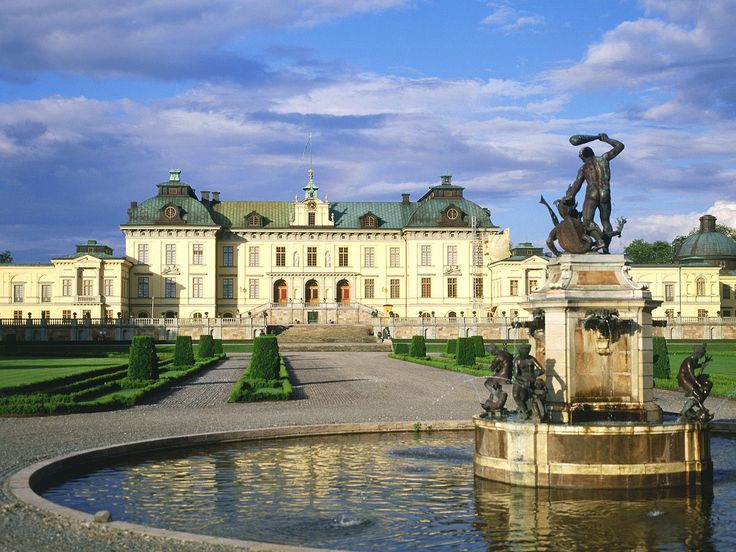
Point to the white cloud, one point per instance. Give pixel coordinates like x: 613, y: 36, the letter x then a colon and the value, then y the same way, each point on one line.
x: 509, y: 19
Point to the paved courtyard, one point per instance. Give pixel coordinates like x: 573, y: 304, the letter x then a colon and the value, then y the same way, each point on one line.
x: 330, y: 388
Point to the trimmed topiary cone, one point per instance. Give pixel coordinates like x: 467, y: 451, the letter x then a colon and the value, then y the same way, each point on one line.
x: 661, y: 358
x: 479, y: 346
x: 418, y: 347
x: 142, y: 359
x: 183, y: 353
x: 206, y: 346
x: 465, y: 352
x: 264, y: 364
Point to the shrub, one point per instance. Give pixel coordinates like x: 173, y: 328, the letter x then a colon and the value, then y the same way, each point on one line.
x: 401, y: 348
x: 9, y: 346
x: 206, y: 346
x: 452, y: 346
x: 661, y: 358
x: 142, y: 360
x: 183, y: 353
x: 418, y: 347
x: 264, y: 364
x: 479, y: 346
x: 465, y: 351
x: 217, y: 347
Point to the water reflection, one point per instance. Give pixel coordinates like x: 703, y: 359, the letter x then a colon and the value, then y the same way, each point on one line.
x: 393, y: 492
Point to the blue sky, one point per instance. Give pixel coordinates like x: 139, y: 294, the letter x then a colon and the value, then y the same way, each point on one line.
x: 99, y: 99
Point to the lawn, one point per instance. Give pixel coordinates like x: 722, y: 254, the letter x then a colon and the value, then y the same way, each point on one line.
x: 722, y: 369
x: 25, y: 370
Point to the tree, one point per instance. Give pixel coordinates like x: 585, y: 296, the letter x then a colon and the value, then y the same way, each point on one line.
x: 5, y: 257
x: 658, y: 252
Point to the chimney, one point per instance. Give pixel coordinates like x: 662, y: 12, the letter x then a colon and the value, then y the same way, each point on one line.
x: 133, y: 204
x: 707, y: 223
x: 215, y: 196
x: 205, y: 195
x: 446, y: 180
x: 405, y: 199
x: 174, y: 175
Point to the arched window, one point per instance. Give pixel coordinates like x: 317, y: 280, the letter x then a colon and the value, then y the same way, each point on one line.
x: 426, y: 315
x: 700, y: 287
x: 143, y: 314
x: 197, y: 315
x: 452, y: 316
x: 227, y: 315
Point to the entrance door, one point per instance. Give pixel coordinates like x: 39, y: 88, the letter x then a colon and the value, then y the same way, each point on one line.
x: 343, y: 291
x: 311, y: 292
x: 280, y: 292
x: 312, y: 317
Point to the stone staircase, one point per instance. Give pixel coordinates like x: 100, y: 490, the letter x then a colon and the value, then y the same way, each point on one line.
x: 330, y: 337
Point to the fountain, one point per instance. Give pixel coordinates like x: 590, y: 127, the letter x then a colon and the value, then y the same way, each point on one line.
x: 602, y: 428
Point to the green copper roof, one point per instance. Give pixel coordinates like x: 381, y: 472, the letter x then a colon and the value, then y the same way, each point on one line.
x: 428, y: 213
x: 707, y: 245
x: 276, y: 214
x: 148, y: 212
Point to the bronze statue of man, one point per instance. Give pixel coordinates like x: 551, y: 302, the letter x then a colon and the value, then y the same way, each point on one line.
x: 526, y: 371
x: 596, y: 171
x: 697, y: 386
x: 501, y: 368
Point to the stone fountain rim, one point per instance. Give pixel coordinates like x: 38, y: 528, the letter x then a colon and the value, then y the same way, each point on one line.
x: 23, y: 482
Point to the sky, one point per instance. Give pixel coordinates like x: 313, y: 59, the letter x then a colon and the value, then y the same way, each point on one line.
x: 100, y: 98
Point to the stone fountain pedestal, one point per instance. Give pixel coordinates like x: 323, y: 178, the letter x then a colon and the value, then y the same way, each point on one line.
x: 605, y: 429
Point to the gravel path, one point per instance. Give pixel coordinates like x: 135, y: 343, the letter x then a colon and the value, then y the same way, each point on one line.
x: 330, y: 387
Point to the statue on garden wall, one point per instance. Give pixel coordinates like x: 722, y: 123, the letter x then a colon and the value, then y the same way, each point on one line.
x: 578, y: 232
x: 696, y: 385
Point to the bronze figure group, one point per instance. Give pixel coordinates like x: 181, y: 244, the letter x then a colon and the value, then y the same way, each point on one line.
x: 696, y: 385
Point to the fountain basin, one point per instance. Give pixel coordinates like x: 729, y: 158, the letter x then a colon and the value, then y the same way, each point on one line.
x: 595, y: 455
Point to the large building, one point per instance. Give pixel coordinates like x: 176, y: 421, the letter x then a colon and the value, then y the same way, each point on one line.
x: 190, y: 256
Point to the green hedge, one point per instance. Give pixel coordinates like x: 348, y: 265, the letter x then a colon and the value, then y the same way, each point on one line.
x: 418, y: 347
x: 401, y: 348
x: 142, y: 360
x: 452, y: 347
x: 248, y: 388
x: 206, y: 347
x: 465, y: 351
x: 183, y: 352
x: 264, y: 364
x: 9, y: 346
x: 479, y: 346
x: 217, y: 347
x: 661, y: 358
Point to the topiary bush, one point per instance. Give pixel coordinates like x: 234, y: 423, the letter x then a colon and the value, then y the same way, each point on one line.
x: 217, y: 347
x: 661, y: 358
x: 206, y: 346
x: 465, y: 351
x: 452, y: 346
x: 183, y: 353
x: 142, y: 359
x: 418, y: 347
x: 479, y: 346
x: 264, y: 364
x: 401, y: 348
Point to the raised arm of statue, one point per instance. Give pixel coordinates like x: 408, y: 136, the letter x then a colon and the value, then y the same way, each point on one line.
x: 618, y: 147
x: 574, y: 188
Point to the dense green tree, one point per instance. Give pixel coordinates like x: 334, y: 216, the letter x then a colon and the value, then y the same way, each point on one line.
x: 642, y: 252
x: 5, y: 257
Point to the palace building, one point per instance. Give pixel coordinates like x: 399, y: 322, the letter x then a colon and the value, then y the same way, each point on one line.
x: 190, y: 256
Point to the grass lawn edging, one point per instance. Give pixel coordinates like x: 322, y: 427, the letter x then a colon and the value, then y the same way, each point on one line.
x: 448, y: 364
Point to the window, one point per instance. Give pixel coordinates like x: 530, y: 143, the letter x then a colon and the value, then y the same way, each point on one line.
x: 669, y: 292
x: 369, y: 221
x: 197, y: 315
x: 478, y: 254
x: 143, y: 253
x: 227, y: 288
x: 700, y: 287
x: 452, y: 288
x: 45, y: 293
x: 197, y: 286
x: 254, y: 255
x: 66, y: 314
x: 311, y: 256
x: 143, y: 286
x: 369, y: 257
x: 198, y: 253
x: 532, y: 286
x: 143, y: 314
x: 669, y: 313
x: 17, y: 315
x: 18, y: 293
x: 342, y: 256
x: 311, y: 219
x: 253, y: 291
x: 281, y: 256
x: 108, y: 314
x: 66, y: 288
x: 227, y: 256
x: 394, y: 257
x: 702, y: 313
x: 88, y: 288
x: 726, y: 313
x: 452, y: 255
x: 426, y: 255
x: 170, y: 253
x: 452, y: 317
x: 46, y: 314
x: 254, y: 220
x: 477, y: 288
x: 368, y: 289
x: 426, y: 287
x: 726, y: 291
x: 108, y: 283
x: 170, y: 288
x: 395, y: 288
x: 514, y: 287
